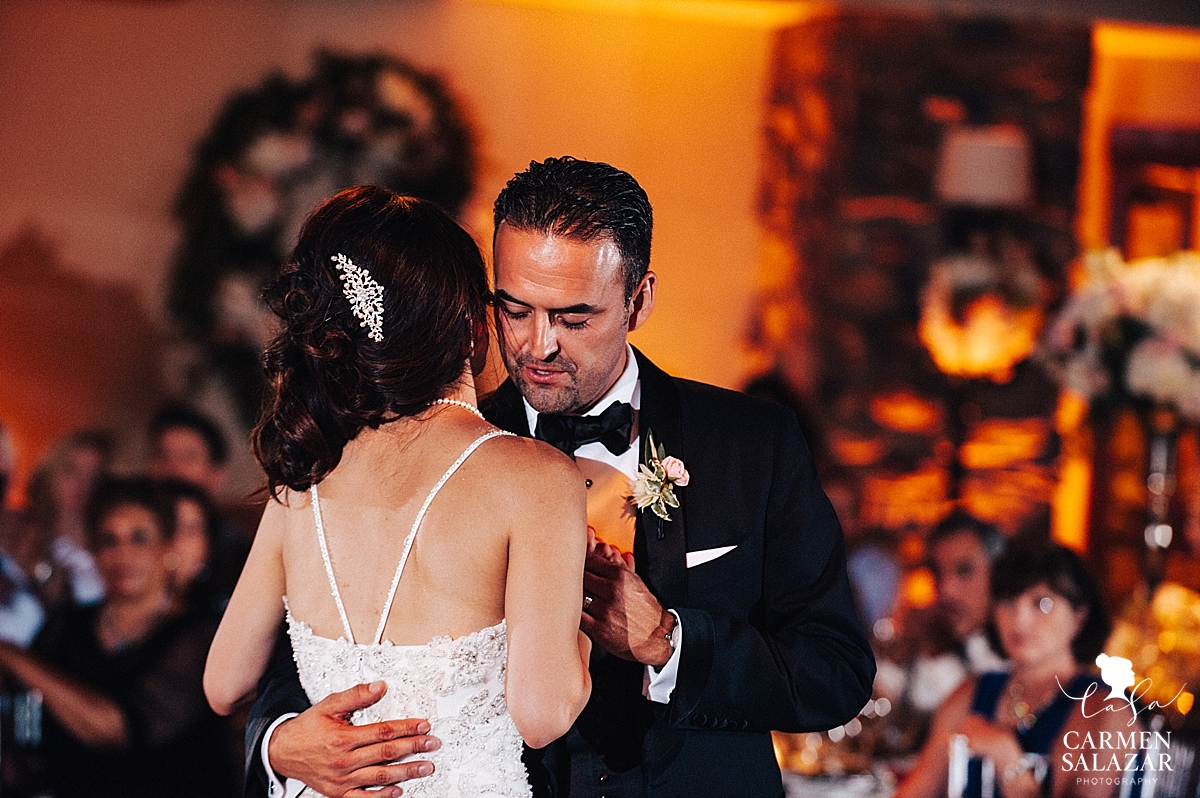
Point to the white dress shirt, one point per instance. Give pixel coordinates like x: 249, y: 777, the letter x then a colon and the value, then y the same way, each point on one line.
x: 628, y: 388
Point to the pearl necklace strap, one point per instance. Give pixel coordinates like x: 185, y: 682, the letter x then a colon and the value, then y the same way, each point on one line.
x: 460, y: 403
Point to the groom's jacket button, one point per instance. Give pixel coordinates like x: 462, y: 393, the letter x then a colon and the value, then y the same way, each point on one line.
x: 603, y: 777
x: 701, y: 720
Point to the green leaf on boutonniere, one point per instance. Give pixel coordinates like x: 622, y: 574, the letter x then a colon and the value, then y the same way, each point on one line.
x: 653, y: 488
x: 649, y: 453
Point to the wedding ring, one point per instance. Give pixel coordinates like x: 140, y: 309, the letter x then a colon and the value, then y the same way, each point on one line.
x: 587, y: 602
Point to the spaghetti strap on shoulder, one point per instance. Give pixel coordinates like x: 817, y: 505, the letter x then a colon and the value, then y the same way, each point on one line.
x: 333, y: 588
x: 412, y: 533
x: 408, y: 541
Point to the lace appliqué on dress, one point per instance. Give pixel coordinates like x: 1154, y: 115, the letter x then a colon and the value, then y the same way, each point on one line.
x: 457, y: 684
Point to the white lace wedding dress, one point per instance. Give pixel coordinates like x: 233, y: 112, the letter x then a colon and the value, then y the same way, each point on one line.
x: 458, y: 685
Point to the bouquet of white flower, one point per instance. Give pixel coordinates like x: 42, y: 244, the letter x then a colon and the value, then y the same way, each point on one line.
x: 1131, y: 332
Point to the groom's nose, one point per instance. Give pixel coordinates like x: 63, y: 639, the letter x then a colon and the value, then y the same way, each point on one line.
x: 544, y: 345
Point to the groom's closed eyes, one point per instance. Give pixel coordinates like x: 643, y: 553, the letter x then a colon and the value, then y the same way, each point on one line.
x: 573, y: 317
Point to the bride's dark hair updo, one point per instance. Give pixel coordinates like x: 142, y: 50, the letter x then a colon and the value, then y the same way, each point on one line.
x: 327, y: 379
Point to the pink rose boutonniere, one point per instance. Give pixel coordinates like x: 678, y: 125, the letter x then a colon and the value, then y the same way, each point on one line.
x: 654, y: 485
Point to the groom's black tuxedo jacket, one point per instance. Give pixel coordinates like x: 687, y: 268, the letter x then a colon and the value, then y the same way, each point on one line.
x: 770, y: 636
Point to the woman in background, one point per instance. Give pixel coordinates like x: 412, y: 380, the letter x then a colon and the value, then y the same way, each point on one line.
x: 44, y: 561
x: 1050, y: 621
x: 194, y: 577
x: 53, y: 545
x: 124, y: 707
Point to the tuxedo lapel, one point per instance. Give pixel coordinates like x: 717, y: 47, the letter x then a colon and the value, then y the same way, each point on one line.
x: 505, y: 408
x: 663, y: 550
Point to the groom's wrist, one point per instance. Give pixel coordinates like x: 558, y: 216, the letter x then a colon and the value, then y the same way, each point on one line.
x: 276, y: 786
x: 663, y: 645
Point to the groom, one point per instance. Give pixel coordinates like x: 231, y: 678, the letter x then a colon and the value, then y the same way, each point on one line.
x: 727, y: 619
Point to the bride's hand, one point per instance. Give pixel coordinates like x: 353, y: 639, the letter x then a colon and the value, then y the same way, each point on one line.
x: 609, y: 554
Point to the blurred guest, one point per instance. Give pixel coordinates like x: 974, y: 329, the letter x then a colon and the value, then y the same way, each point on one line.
x: 939, y: 646
x: 121, y: 681
x: 189, y: 446
x: 1050, y: 621
x: 961, y: 552
x: 49, y: 544
x: 194, y: 578
x: 21, y: 612
x: 874, y: 573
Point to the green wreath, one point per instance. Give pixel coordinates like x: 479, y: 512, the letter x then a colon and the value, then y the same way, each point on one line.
x: 274, y: 153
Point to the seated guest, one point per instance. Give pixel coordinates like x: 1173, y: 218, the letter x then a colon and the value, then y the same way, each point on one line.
x: 187, y: 445
x: 125, y: 713
x: 874, y: 573
x: 962, y: 550
x: 1050, y: 621
x: 48, y: 543
x: 941, y: 645
x: 21, y: 612
x: 193, y: 577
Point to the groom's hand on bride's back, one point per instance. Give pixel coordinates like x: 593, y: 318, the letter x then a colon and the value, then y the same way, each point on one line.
x: 321, y: 748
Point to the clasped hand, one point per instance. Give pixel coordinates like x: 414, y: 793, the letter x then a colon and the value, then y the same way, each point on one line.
x: 321, y: 748
x: 1000, y: 745
x: 623, y: 615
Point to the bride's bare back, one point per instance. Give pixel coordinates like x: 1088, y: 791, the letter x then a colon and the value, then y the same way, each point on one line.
x: 369, y: 504
x: 504, y: 538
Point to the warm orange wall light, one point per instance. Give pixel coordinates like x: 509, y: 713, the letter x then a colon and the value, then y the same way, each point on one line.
x: 765, y: 14
x: 1140, y: 76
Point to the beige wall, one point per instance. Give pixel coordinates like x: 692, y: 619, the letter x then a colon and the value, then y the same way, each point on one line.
x: 103, y: 102
x: 673, y: 95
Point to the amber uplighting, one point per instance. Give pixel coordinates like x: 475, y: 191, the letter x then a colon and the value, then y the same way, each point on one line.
x: 905, y: 411
x: 918, y: 589
x: 1070, y: 503
x: 79, y: 346
x: 749, y: 13
x: 990, y: 340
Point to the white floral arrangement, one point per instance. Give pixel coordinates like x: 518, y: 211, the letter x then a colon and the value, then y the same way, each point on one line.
x: 1131, y: 331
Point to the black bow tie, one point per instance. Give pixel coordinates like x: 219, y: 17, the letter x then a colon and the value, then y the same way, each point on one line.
x: 568, y: 433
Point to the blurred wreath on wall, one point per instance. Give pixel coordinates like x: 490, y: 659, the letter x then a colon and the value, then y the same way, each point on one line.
x: 272, y: 154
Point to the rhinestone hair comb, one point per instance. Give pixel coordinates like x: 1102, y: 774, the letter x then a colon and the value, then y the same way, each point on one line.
x: 364, y: 294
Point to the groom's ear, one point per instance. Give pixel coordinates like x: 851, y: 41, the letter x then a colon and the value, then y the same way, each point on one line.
x: 642, y: 301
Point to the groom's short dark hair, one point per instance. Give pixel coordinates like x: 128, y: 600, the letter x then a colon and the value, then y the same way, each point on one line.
x: 582, y: 200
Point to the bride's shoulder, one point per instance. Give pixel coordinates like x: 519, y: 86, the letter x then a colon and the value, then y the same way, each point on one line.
x: 285, y: 502
x: 531, y: 464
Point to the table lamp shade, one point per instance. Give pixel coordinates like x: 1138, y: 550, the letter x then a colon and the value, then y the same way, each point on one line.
x: 986, y: 166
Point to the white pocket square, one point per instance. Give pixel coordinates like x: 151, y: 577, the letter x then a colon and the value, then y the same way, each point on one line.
x: 702, y: 556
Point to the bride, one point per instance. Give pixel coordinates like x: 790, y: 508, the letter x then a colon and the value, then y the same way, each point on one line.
x: 409, y: 541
